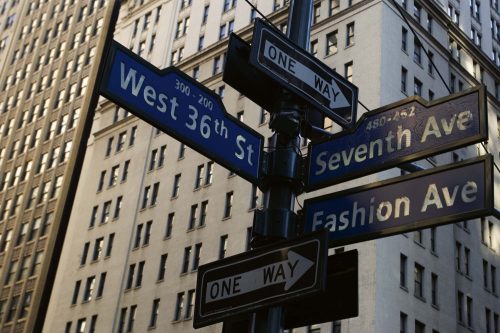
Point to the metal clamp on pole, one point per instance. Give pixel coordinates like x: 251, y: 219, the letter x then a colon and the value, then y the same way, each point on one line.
x: 283, y: 178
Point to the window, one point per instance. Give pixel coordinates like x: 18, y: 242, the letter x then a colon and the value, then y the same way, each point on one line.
x: 154, y: 312
x: 253, y: 15
x: 118, y: 207
x: 185, y: 261
x: 12, y: 308
x: 221, y: 90
x: 493, y: 271
x: 2, y: 307
x: 349, y: 34
x: 430, y: 21
x: 419, y: 327
x: 467, y: 261
x: 203, y: 213
x: 228, y: 205
x: 196, y: 72
x: 404, y: 39
x: 4, y: 246
x: 121, y: 322
x: 314, y: 48
x: 179, y: 306
x: 130, y: 277
x: 475, y: 9
x: 109, y: 146
x: 131, y: 318
x: 147, y: 233
x: 417, y: 87
x: 468, y: 308
x: 93, y: 323
x: 138, y: 235
x: 175, y: 188
x: 460, y: 304
x: 417, y: 52
x: 190, y: 304
x: 80, y: 325
x: 199, y: 176
x: 76, y: 291
x: 101, y: 181
x: 23, y: 270
x: 121, y: 141
x: 209, y: 173
x: 403, y: 261
x: 109, y: 247
x: 154, y: 195
x: 201, y: 41
x: 316, y: 13
x: 418, y: 236
x: 476, y: 37
x: 490, y: 234
x: 169, y: 226
x: 98, y: 248
x: 163, y: 267
x: 205, y: 14
x: 229, y: 4
x: 348, y: 71
x: 182, y: 27
x: 248, y: 243
x: 23, y: 312
x: 49, y: 217
x: 93, y: 216
x: 133, y: 136
x: 196, y: 256
x: 217, y: 67
x: 105, y: 212
x: 458, y: 256
x: 11, y: 272
x: 113, y: 177
x: 433, y: 229
x: 85, y: 252
x: 145, y: 197
x: 125, y: 170
x: 222, y: 246
x: 254, y: 197
x: 434, y: 289
x: 89, y: 289
x: 140, y: 271
x: 419, y: 281
x: 485, y: 274
x: 35, y: 226
x: 452, y: 82
x: 22, y: 233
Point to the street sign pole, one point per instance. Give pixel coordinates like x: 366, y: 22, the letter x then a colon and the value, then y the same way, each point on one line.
x: 278, y: 220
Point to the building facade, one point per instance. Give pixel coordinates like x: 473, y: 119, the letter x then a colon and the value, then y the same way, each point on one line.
x: 148, y: 210
x: 47, y: 68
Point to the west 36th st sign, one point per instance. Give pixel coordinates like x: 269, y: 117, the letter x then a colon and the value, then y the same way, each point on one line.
x: 402, y: 132
x: 183, y: 108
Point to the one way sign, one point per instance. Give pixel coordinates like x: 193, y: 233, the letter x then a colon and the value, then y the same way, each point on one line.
x: 258, y: 278
x: 303, y: 74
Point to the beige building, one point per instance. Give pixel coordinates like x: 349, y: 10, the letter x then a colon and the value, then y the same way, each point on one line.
x: 47, y: 56
x: 148, y: 210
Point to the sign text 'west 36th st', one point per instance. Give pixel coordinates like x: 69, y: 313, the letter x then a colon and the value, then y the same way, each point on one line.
x: 183, y: 108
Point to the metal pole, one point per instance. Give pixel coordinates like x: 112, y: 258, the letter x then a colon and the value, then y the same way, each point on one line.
x: 283, y: 181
